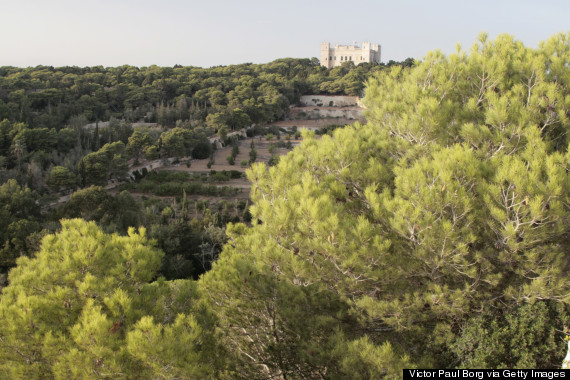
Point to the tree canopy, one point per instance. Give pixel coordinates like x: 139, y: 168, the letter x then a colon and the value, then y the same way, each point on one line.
x: 86, y: 307
x: 49, y: 97
x: 453, y: 200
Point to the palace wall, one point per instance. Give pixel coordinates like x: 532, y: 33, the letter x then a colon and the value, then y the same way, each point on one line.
x: 337, y: 55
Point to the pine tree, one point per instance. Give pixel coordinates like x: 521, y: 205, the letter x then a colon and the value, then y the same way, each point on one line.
x: 85, y: 307
x: 451, y: 201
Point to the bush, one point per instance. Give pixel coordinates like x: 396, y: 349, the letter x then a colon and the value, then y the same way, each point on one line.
x: 235, y: 173
x: 274, y: 160
x: 166, y: 176
x: 202, y: 150
x: 219, y: 177
x: 241, y: 205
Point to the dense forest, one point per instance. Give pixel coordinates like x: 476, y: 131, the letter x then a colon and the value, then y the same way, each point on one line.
x: 69, y: 128
x: 436, y: 235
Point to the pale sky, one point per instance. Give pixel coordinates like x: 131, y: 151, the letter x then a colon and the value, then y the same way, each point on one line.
x: 223, y: 32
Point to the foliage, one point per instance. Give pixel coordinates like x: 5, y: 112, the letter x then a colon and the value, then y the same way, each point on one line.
x: 202, y: 149
x: 138, y: 142
x: 234, y: 96
x: 56, y: 116
x: 252, y: 154
x: 523, y: 337
x: 61, y: 178
x: 117, y: 213
x: 85, y: 307
x: 165, y: 183
x: 452, y: 201
x: 20, y: 218
x: 108, y: 162
x: 273, y: 160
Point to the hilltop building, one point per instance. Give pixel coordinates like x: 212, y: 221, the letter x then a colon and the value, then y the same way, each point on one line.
x: 336, y: 56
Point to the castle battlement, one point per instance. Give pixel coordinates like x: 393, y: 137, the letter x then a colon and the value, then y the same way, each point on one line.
x: 336, y: 56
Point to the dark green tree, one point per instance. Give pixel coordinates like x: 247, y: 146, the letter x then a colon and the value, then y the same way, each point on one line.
x: 19, y: 217
x: 61, y: 179
x: 108, y: 162
x: 137, y: 143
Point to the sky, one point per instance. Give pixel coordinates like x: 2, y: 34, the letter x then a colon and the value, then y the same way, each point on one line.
x: 210, y: 33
